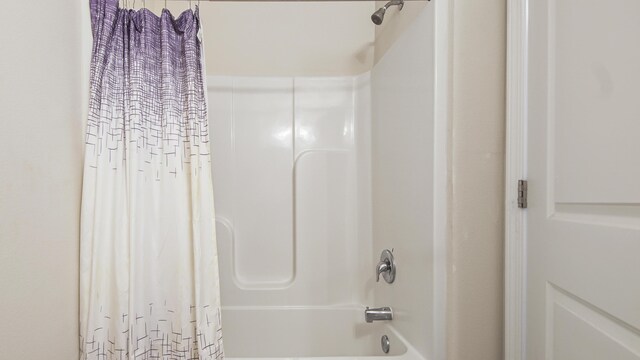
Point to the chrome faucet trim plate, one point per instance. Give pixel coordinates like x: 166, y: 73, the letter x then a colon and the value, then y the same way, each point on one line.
x: 386, y: 267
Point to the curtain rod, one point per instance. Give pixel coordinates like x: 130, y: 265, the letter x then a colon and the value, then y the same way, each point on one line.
x: 301, y: 1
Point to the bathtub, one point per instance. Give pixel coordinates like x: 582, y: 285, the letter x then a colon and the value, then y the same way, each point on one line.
x: 308, y: 332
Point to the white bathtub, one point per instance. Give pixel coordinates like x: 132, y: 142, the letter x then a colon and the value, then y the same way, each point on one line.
x: 301, y: 332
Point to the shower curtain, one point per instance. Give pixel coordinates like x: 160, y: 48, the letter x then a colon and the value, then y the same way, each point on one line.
x: 148, y: 264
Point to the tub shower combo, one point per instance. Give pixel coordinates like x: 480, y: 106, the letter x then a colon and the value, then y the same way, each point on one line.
x: 256, y: 217
x: 324, y: 208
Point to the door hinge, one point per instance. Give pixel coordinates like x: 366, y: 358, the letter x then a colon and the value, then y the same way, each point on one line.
x: 522, y: 194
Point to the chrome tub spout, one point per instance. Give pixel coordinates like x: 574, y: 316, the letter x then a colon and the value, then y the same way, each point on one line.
x: 377, y: 314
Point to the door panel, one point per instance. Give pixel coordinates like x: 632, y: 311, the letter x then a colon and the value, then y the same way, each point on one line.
x: 583, y: 238
x: 578, y: 330
x: 594, y: 57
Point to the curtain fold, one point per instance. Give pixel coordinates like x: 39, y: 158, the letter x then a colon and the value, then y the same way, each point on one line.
x: 149, y: 284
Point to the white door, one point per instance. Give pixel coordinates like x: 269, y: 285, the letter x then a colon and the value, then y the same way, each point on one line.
x: 583, y: 220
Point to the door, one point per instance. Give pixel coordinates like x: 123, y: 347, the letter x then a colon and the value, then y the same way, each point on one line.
x: 583, y: 220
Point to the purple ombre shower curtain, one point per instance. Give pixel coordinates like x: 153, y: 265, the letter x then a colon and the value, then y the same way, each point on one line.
x: 148, y: 265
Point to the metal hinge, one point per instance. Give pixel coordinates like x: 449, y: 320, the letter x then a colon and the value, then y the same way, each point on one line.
x: 522, y: 194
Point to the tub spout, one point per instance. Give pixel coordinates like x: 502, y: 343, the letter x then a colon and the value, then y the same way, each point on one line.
x: 377, y: 314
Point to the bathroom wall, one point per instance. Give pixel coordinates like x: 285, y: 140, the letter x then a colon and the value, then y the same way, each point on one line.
x: 291, y: 178
x: 476, y: 252
x: 394, y: 24
x: 39, y: 219
x: 403, y: 179
x: 40, y: 180
x: 306, y: 38
x: 475, y: 262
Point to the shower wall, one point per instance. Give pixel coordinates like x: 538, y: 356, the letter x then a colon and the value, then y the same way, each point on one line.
x: 403, y: 178
x: 395, y: 24
x: 291, y: 176
x: 315, y: 176
x: 288, y: 38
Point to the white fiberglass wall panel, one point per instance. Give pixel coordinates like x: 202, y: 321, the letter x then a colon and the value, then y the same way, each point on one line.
x: 324, y: 114
x: 402, y: 91
x: 287, y: 190
x: 262, y: 206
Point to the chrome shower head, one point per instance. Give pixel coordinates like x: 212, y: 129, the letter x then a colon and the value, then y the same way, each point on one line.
x: 378, y: 16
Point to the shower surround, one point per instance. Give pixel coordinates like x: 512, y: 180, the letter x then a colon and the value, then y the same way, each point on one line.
x: 293, y: 209
x: 314, y: 177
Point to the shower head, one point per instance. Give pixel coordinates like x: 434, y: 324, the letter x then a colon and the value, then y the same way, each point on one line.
x: 378, y: 16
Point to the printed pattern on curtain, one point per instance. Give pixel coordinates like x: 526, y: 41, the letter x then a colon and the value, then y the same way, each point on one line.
x: 149, y: 284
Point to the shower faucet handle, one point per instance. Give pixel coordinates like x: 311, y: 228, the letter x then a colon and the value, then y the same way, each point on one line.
x: 383, y: 267
x: 386, y: 267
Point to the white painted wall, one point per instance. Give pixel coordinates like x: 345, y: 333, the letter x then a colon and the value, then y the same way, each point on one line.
x: 262, y: 38
x: 476, y: 249
x: 41, y: 158
x: 395, y: 23
x: 403, y: 178
x: 291, y: 177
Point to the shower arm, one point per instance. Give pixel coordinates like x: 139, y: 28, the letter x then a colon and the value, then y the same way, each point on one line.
x: 399, y: 3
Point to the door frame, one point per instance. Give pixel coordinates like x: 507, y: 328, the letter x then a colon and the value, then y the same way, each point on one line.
x: 443, y: 23
x: 516, y: 169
